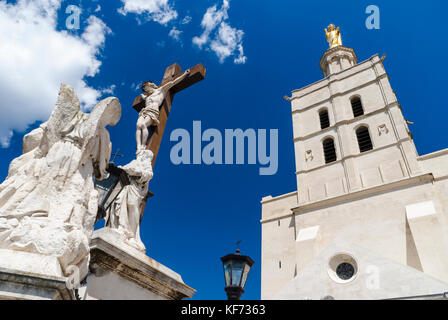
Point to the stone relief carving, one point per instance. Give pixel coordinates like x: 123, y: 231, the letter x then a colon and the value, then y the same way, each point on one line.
x: 309, y: 155
x: 48, y: 203
x: 124, y: 214
x: 382, y: 129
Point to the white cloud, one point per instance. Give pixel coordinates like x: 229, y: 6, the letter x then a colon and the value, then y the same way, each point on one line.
x: 98, y: 9
x: 227, y: 42
x: 175, y: 34
x: 35, y: 58
x: 110, y: 90
x: 212, y: 18
x: 136, y: 86
x: 156, y: 10
x: 186, y: 20
x: 219, y: 36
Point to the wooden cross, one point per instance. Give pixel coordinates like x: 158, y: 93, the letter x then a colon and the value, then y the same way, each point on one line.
x: 197, y: 73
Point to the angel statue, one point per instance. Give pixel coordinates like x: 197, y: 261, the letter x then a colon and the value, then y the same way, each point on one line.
x: 333, y: 36
x: 48, y: 203
x: 124, y: 214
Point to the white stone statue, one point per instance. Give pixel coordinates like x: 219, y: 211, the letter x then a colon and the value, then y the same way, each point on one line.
x: 149, y: 116
x: 48, y: 203
x: 124, y: 214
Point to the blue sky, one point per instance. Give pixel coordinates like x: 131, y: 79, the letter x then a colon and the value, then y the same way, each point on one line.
x: 266, y: 49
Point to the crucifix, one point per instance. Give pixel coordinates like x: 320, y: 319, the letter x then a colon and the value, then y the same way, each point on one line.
x: 154, y: 107
x: 162, y: 96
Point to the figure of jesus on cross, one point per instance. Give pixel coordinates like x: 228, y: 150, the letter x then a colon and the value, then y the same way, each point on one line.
x: 149, y: 116
x: 154, y: 107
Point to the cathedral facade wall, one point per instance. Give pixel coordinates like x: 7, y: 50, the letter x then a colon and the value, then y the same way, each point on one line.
x: 377, y: 222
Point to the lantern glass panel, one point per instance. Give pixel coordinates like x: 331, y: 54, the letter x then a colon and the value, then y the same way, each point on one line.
x: 114, y: 193
x: 104, y: 188
x: 245, y: 274
x: 227, y: 272
x: 237, y: 272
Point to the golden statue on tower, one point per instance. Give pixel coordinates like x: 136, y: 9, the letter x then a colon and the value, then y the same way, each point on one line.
x: 333, y: 36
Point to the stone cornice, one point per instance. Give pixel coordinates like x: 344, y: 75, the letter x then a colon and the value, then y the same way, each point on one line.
x: 433, y: 155
x: 356, y: 155
x: 426, y: 177
x: 303, y: 209
x: 346, y: 121
x: 272, y: 199
x: 38, y: 282
x: 335, y: 50
x: 333, y: 77
x: 105, y: 256
x: 337, y: 94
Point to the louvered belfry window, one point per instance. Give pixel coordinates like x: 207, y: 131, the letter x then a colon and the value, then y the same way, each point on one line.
x: 364, y: 141
x: 357, y: 107
x: 329, y: 150
x: 324, y: 119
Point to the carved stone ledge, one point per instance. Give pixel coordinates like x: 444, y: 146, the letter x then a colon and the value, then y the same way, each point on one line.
x: 29, y: 276
x: 121, y: 272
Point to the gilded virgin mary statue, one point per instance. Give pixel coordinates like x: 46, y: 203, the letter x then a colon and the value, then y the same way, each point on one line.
x: 333, y: 36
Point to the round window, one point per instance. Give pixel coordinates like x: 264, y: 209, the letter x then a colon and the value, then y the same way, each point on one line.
x: 342, y: 268
x: 345, y: 271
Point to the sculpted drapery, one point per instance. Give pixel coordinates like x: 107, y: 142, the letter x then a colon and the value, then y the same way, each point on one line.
x: 48, y: 203
x: 124, y: 214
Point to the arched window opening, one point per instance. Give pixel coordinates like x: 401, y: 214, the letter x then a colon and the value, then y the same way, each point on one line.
x: 357, y: 107
x: 364, y: 141
x: 324, y: 119
x: 329, y: 150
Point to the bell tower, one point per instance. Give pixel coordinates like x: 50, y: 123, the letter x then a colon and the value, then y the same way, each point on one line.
x: 349, y: 131
x: 369, y: 218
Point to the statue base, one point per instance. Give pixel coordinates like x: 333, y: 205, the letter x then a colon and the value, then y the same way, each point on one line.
x: 29, y: 276
x: 121, y: 272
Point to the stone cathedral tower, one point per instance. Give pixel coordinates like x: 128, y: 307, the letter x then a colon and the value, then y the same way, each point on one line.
x: 369, y: 219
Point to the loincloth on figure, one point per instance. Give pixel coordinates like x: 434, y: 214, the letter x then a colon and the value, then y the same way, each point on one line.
x: 152, y: 114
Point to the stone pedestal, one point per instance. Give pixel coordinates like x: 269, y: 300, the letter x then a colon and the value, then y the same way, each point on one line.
x: 337, y: 59
x: 120, y: 272
x: 29, y: 276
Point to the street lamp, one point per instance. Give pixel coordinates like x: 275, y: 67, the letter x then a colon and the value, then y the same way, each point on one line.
x: 236, y: 270
x: 109, y: 188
